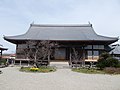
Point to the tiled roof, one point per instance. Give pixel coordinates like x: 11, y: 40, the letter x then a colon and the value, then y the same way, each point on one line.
x: 73, y: 32
x: 115, y: 50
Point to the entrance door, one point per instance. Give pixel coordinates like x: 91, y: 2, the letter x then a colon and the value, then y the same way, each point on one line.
x: 60, y: 54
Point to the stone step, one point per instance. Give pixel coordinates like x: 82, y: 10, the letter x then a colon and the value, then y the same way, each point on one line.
x: 60, y: 65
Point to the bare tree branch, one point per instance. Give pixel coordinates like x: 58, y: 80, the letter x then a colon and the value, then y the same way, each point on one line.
x: 40, y: 50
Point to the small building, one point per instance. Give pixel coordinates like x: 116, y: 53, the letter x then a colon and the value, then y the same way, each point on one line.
x: 81, y: 37
x: 8, y: 56
x: 1, y: 50
x: 115, y: 52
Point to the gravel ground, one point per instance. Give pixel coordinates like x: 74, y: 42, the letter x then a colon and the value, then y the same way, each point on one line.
x: 62, y: 79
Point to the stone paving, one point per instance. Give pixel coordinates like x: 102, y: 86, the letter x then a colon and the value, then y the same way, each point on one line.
x: 62, y: 79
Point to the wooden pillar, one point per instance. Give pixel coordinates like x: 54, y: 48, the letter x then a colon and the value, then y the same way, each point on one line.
x: 92, y: 53
x: 70, y: 58
x: 48, y: 58
x: 14, y: 62
x: 83, y: 57
x: 20, y: 62
x: 16, y: 50
x: 28, y: 63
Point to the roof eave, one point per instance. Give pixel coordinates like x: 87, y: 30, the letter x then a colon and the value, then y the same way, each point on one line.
x: 16, y: 41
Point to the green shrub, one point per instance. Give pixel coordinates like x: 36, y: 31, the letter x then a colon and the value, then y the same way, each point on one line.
x: 106, y: 60
x: 101, y: 63
x: 102, y: 60
x: 112, y: 62
x: 105, y: 55
x: 2, y: 61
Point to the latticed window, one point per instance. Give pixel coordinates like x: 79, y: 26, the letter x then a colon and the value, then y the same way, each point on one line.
x: 93, y: 54
x: 89, y: 53
x: 88, y: 47
x: 94, y: 47
x: 98, y: 46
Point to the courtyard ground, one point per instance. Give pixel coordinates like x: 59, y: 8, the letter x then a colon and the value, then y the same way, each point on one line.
x: 62, y: 79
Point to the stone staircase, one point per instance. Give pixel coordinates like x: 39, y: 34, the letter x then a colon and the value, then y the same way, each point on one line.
x: 60, y: 65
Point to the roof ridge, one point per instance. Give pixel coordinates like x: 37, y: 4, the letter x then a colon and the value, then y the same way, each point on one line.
x: 61, y: 25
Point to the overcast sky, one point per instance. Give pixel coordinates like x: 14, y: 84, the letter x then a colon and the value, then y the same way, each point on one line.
x: 16, y: 16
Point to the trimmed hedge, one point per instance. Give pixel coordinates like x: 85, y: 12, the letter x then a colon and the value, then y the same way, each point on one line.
x: 88, y: 71
x: 40, y: 69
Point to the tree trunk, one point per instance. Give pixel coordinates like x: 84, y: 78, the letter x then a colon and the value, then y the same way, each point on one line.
x: 35, y: 59
x: 48, y: 57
